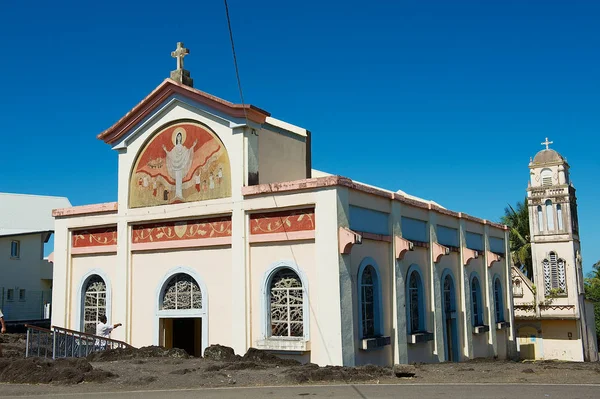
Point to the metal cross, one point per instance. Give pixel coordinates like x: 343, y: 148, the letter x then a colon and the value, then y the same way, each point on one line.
x: 547, y: 143
x: 179, y: 53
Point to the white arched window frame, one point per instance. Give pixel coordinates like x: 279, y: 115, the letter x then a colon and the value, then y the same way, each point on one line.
x: 271, y: 272
x: 370, y: 309
x: 415, y: 301
x: 81, y: 294
x: 540, y: 218
x: 559, y: 216
x: 549, y: 215
x: 200, y: 313
x: 546, y: 177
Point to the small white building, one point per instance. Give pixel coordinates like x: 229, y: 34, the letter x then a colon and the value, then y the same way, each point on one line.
x: 553, y: 319
x: 26, y: 224
x: 223, y: 233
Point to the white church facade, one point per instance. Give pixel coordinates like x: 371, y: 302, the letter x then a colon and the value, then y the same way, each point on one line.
x: 224, y: 234
x: 553, y: 320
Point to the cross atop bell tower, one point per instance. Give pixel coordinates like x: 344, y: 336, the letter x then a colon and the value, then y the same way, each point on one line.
x: 181, y: 75
x: 546, y: 143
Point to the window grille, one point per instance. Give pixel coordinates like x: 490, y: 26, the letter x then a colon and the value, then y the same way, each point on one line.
x: 415, y: 293
x: 368, y: 298
x: 10, y: 294
x: 498, y: 302
x: 477, y: 316
x: 94, y: 303
x: 449, y: 305
x: 182, y: 292
x: 286, y: 300
x: 21, y: 294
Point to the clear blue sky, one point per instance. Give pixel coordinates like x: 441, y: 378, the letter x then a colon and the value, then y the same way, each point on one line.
x: 446, y: 100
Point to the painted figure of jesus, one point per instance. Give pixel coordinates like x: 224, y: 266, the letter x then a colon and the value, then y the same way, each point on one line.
x: 179, y: 161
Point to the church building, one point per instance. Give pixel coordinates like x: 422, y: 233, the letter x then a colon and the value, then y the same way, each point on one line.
x: 222, y: 233
x: 553, y: 320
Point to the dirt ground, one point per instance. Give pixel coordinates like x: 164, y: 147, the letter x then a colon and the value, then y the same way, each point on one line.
x: 157, y: 368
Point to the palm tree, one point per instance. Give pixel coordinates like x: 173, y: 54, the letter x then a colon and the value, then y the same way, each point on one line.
x: 520, y: 243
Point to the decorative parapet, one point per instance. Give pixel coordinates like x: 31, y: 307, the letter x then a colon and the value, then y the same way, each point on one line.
x: 469, y: 255
x: 492, y: 257
x: 402, y: 247
x: 439, y: 251
x: 347, y: 239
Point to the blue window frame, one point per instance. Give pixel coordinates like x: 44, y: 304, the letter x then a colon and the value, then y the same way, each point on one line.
x: 498, y: 300
x: 415, y: 301
x: 476, y: 302
x: 370, y: 304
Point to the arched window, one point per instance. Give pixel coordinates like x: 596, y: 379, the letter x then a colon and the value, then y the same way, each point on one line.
x: 546, y: 177
x: 498, y: 300
x: 94, y: 303
x: 415, y: 301
x: 517, y: 288
x: 554, y: 274
x: 549, y: 215
x: 540, y: 218
x: 476, y: 303
x: 286, y: 304
x: 559, y: 216
x: 449, y: 302
x: 181, y: 292
x: 370, y: 301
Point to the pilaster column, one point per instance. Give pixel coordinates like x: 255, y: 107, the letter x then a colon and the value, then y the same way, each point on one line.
x: 465, y: 295
x: 121, y: 301
x: 240, y: 337
x: 489, y: 279
x: 346, y: 286
x: 435, y: 291
x: 512, y: 343
x: 400, y: 339
x: 333, y: 330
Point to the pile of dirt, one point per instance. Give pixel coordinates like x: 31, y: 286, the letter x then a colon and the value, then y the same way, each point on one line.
x: 13, y: 345
x: 220, y: 353
x: 110, y: 355
x: 313, y: 373
x: 45, y: 371
x: 258, y: 356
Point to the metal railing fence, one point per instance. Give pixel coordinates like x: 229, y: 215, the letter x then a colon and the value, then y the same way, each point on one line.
x: 61, y: 343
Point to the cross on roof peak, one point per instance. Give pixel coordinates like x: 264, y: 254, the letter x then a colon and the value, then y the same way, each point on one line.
x: 547, y: 143
x: 179, y: 53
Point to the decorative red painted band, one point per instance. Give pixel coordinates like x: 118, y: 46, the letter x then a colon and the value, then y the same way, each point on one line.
x: 282, y: 222
x: 95, y: 237
x: 182, y: 230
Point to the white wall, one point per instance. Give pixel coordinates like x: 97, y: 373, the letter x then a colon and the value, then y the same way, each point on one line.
x: 26, y: 272
x: 281, y: 157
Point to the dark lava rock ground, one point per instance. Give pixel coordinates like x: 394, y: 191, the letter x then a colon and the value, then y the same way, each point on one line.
x: 158, y: 368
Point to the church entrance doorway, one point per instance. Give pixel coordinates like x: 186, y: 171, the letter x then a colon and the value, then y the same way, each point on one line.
x: 181, y: 318
x: 450, y: 324
x: 182, y: 333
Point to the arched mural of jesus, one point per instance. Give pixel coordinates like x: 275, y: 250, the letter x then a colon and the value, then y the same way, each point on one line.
x: 179, y: 161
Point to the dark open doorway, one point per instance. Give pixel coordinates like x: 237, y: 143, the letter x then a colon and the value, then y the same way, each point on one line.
x: 182, y: 333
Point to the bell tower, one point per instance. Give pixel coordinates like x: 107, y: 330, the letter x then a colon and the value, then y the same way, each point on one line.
x: 554, y: 228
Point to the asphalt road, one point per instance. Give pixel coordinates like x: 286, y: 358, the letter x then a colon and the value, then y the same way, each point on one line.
x: 420, y: 391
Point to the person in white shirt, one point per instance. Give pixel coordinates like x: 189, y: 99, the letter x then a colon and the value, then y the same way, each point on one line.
x: 103, y: 329
x: 2, y: 329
